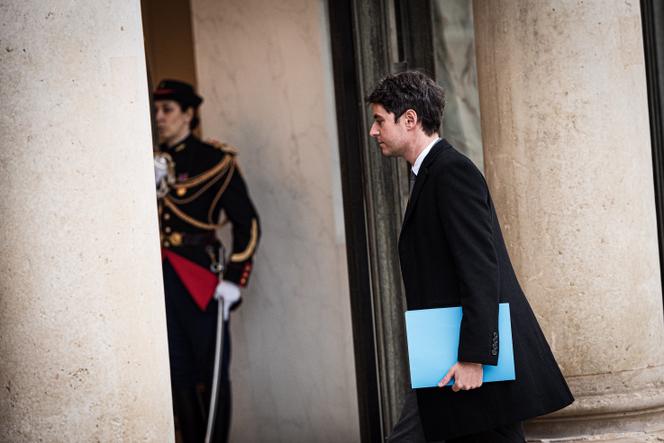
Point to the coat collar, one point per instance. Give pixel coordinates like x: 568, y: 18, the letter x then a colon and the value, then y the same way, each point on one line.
x: 422, y: 175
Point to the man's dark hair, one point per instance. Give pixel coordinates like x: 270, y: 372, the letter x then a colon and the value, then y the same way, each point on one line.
x: 414, y: 90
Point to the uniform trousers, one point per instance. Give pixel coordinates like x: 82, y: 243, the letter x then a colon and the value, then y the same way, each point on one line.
x: 408, y: 429
x: 191, y: 346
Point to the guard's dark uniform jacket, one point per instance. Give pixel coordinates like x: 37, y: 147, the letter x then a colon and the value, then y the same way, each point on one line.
x: 453, y: 254
x: 207, y: 182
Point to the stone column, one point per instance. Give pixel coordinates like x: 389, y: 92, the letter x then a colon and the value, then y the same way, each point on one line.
x: 567, y: 154
x: 83, y: 350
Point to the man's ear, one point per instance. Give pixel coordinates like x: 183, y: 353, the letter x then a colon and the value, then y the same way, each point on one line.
x: 410, y: 119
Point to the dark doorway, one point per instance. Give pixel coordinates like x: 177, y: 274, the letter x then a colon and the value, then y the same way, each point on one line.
x: 169, y: 43
x: 371, y: 38
x: 652, y: 18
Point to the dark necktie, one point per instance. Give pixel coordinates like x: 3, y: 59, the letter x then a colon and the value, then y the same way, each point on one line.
x: 411, y: 182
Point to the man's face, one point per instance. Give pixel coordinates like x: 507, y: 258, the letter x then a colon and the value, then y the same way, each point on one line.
x: 390, y: 135
x: 172, y: 122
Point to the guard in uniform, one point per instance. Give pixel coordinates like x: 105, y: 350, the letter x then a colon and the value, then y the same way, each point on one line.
x: 199, y: 188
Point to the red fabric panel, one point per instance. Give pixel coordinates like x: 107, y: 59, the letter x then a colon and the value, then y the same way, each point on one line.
x: 199, y: 281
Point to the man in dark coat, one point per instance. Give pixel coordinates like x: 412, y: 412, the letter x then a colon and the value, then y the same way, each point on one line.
x: 196, y: 183
x: 452, y: 253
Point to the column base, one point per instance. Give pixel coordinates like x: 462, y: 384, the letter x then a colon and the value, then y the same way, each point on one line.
x: 623, y: 437
x: 607, y: 405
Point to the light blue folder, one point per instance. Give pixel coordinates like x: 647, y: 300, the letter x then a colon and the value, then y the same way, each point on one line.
x: 433, y: 345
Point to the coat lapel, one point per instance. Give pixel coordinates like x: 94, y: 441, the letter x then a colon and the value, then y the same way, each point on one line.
x: 422, y: 175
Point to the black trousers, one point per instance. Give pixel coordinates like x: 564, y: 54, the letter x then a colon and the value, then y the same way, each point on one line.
x: 409, y: 429
x: 191, y: 347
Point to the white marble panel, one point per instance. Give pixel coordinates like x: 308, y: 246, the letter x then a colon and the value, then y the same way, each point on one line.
x: 454, y: 47
x: 264, y: 69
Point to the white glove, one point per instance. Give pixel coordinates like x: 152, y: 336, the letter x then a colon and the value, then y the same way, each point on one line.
x: 229, y: 293
x: 160, y: 169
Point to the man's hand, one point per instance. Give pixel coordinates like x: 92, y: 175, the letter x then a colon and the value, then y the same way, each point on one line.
x: 466, y: 376
x: 230, y: 293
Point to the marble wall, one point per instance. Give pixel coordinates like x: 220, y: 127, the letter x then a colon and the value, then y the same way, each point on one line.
x: 264, y: 69
x: 454, y: 48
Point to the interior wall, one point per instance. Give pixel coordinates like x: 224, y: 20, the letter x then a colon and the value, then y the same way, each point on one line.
x: 168, y: 40
x: 264, y: 69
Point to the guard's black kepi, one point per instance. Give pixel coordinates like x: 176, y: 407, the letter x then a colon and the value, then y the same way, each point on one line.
x: 181, y: 92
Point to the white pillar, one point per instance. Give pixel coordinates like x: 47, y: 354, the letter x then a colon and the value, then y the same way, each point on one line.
x: 83, y: 350
x: 567, y: 154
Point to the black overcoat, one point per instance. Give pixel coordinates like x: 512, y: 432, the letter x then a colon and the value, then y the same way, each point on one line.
x: 452, y: 254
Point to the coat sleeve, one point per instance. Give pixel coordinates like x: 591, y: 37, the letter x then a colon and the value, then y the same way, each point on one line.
x: 464, y: 208
x: 239, y: 209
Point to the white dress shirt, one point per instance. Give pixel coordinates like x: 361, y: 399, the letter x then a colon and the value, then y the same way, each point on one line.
x: 420, y: 158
